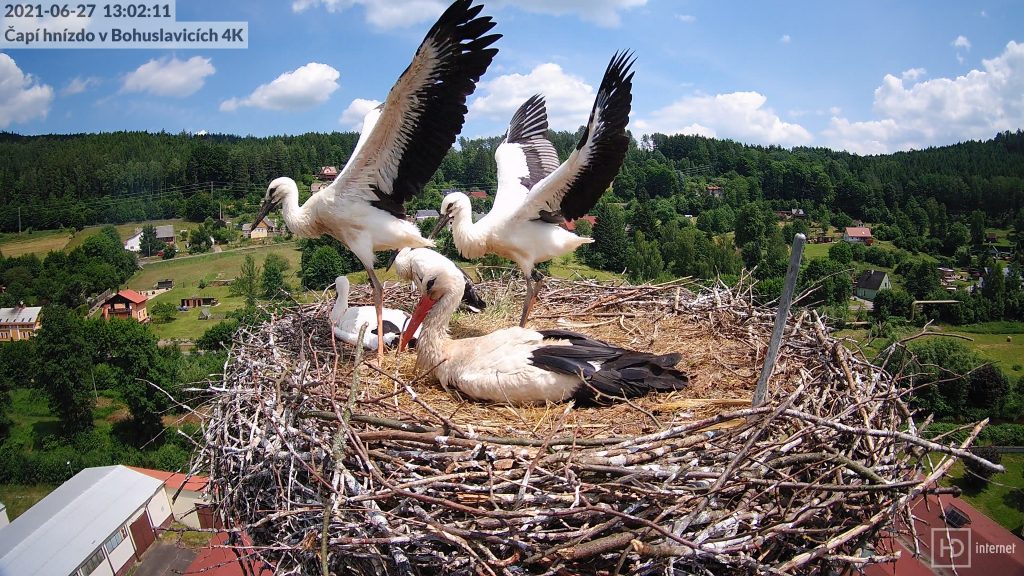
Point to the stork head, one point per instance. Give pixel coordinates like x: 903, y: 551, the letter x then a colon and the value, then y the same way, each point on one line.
x: 434, y: 277
x: 453, y: 206
x: 278, y: 190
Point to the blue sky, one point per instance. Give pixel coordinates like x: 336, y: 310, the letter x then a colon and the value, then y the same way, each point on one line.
x: 867, y: 76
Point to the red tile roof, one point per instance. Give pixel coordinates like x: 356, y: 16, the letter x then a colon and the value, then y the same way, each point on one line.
x: 478, y: 194
x: 174, y: 480
x: 132, y: 296
x: 858, y: 232
x: 570, y: 225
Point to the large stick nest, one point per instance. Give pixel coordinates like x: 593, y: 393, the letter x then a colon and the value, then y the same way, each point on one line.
x: 306, y: 439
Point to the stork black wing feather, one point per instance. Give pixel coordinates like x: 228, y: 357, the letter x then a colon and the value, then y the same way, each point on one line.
x: 608, y: 371
x: 463, y: 57
x: 609, y: 141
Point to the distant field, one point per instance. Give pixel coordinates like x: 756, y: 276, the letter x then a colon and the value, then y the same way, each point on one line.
x: 40, y: 243
x: 19, y: 498
x: 188, y: 271
x: 127, y: 230
x: 990, y: 344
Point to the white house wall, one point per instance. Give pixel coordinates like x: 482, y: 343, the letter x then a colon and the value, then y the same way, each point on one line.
x: 185, y: 507
x: 102, y: 570
x: 123, y: 553
x: 159, y: 508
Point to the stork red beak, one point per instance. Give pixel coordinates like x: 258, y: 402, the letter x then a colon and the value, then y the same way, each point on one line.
x: 424, y: 306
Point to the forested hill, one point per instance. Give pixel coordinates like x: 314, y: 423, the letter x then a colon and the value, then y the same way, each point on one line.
x: 81, y: 179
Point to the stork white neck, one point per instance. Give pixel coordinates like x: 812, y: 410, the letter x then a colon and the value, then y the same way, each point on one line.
x: 468, y: 236
x: 298, y: 218
x: 341, y: 304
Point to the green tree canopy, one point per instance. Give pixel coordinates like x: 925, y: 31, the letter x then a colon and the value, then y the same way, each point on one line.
x: 63, y: 370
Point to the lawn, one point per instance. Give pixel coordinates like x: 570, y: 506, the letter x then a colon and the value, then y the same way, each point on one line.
x: 1003, y: 499
x: 18, y: 498
x: 40, y: 243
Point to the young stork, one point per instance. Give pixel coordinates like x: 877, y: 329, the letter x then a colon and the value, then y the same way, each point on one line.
x: 346, y: 321
x: 516, y: 365
x: 535, y: 194
x: 401, y: 145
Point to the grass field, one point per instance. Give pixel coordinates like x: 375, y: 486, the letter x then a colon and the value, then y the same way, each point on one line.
x: 18, y: 498
x: 1003, y: 499
x: 40, y: 243
x: 988, y: 339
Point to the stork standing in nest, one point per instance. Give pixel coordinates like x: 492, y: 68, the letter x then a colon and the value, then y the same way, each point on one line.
x: 535, y: 194
x: 517, y: 365
x: 401, y: 145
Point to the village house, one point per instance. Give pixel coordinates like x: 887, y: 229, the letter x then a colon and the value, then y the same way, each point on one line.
x: 196, y: 301
x: 570, y: 225
x: 477, y: 194
x: 165, y: 234
x: 126, y: 304
x: 134, y: 242
x: 870, y: 283
x: 19, y: 322
x: 192, y: 506
x: 97, y: 523
x: 422, y: 215
x: 263, y: 229
x: 715, y: 191
x: 858, y: 234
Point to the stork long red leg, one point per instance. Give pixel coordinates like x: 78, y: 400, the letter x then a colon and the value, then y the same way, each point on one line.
x: 378, y: 304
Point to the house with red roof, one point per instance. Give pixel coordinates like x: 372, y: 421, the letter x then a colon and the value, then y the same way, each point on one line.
x: 570, y: 225
x: 953, y: 538
x: 858, y: 234
x: 188, y: 495
x: 126, y: 304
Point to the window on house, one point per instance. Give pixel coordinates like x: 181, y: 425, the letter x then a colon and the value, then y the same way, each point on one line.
x: 115, y: 540
x: 93, y: 561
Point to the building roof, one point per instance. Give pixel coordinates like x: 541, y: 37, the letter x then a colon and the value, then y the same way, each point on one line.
x: 63, y: 529
x: 165, y: 231
x: 20, y: 315
x: 871, y: 279
x: 132, y: 296
x: 570, y: 225
x: 218, y: 558
x: 175, y: 480
x: 992, y: 548
x: 478, y: 194
x: 858, y: 232
x: 420, y: 214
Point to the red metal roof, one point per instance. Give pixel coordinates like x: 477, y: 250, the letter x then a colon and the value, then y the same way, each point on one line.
x: 174, y: 480
x: 132, y: 296
x: 980, y: 548
x: 219, y: 559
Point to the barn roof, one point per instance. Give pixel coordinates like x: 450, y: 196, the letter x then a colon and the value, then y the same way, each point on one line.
x: 175, y: 480
x: 63, y: 529
x: 871, y: 280
x: 19, y: 315
x: 858, y: 232
x: 165, y: 231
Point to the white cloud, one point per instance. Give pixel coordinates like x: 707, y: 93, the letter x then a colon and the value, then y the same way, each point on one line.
x: 22, y: 97
x: 739, y: 115
x: 77, y: 85
x: 786, y: 39
x: 940, y: 111
x: 687, y: 18
x: 962, y: 42
x: 304, y: 87
x: 169, y: 77
x: 352, y: 117
x: 913, y: 74
x: 387, y: 14
x: 569, y: 98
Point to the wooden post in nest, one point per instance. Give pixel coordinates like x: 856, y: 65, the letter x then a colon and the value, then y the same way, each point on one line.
x: 780, y: 319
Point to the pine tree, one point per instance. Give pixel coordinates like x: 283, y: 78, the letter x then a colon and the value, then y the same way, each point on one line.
x: 645, y: 262
x: 272, y: 280
x: 608, y: 252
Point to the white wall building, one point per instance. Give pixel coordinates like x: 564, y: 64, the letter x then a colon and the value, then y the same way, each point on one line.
x: 95, y: 524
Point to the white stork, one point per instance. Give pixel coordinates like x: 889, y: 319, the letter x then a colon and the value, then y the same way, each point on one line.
x: 535, y: 194
x: 401, y: 145
x: 346, y: 321
x: 517, y: 365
